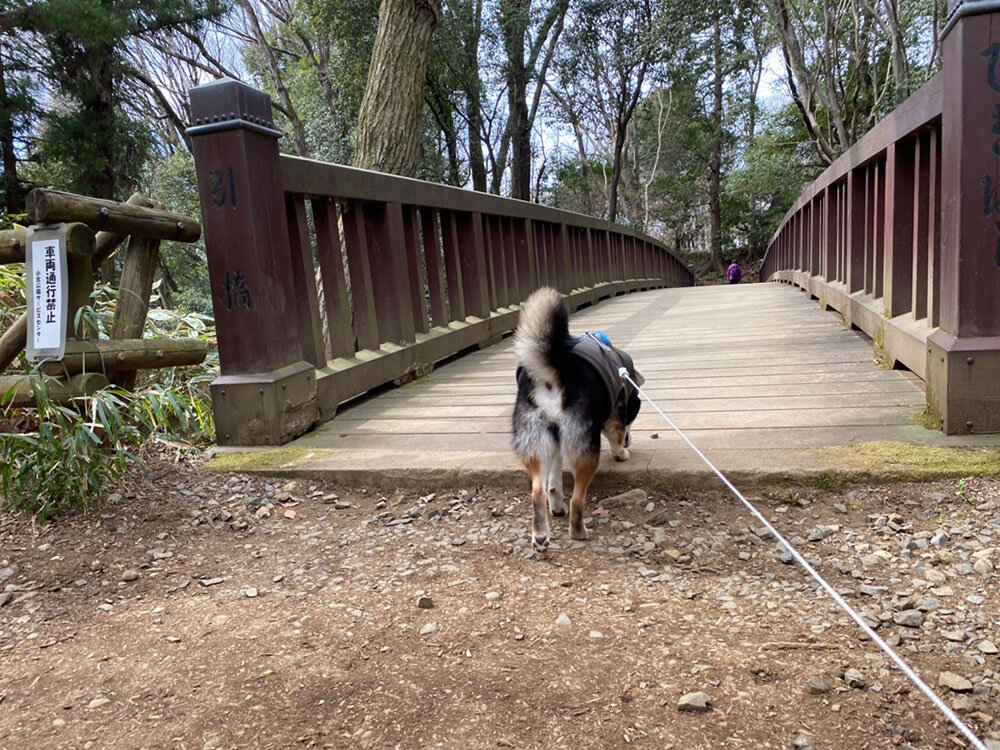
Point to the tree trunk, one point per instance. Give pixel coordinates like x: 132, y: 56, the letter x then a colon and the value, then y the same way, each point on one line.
x: 715, y: 161
x: 514, y: 25
x: 616, y: 174
x: 11, y: 188
x: 103, y: 181
x: 473, y: 103
x: 389, y: 124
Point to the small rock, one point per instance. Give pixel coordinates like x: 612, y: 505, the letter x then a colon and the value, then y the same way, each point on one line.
x: 987, y: 647
x: 596, y: 634
x: 839, y: 508
x: 803, y: 742
x: 425, y: 602
x: 854, y: 679
x: 632, y: 498
x: 331, y: 498
x: 80, y: 582
x: 909, y: 618
x: 263, y: 512
x: 963, y: 704
x: 492, y: 596
x: 6, y: 573
x: 173, y: 639
x: 983, y: 566
x: 341, y: 505
x: 954, y: 682
x: 250, y: 592
x: 458, y: 541
x: 429, y: 628
x: 696, y: 702
x: 818, y: 685
x: 953, y: 635
x: 58, y: 723
x: 210, y: 581
x: 819, y: 533
x: 98, y: 702
x: 130, y: 575
x: 563, y: 619
x: 5, y: 597
x: 935, y: 576
x: 115, y: 497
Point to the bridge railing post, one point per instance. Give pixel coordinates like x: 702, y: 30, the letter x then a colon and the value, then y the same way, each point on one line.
x: 964, y: 353
x: 266, y: 392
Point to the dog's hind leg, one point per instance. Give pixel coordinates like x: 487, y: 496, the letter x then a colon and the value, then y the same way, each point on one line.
x: 554, y: 487
x: 539, y: 511
x: 583, y: 473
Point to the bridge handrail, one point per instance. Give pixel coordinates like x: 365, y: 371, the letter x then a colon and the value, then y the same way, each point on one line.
x: 901, y: 233
x: 409, y: 272
x: 921, y: 109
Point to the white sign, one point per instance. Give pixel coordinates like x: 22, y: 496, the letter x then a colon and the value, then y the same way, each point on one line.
x: 48, y: 290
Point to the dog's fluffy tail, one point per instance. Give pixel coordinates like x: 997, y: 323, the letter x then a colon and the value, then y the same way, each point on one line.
x: 541, y: 336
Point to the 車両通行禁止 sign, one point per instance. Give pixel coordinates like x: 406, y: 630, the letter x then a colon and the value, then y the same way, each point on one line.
x: 47, y: 293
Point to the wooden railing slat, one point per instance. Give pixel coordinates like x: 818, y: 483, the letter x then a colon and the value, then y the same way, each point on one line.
x: 431, y: 226
x: 453, y: 266
x: 305, y: 300
x: 417, y: 274
x: 340, y: 326
x: 362, y: 295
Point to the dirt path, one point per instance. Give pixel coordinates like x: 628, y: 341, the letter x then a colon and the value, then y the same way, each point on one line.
x: 188, y: 617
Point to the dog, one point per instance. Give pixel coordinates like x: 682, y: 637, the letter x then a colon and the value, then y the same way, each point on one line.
x: 569, y: 392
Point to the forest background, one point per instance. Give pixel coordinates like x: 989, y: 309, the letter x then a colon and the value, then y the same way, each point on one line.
x: 698, y: 123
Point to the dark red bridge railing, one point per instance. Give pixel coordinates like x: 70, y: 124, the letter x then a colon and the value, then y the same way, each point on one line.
x: 410, y: 272
x: 901, y: 234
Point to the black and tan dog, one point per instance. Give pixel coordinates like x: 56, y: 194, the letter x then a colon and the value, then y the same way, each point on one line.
x: 568, y: 393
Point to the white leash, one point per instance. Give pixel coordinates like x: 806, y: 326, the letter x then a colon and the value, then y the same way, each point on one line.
x: 907, y: 670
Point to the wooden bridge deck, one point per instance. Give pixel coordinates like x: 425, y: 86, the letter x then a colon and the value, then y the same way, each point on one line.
x: 757, y: 375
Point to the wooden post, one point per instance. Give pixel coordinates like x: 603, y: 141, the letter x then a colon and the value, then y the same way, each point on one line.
x: 453, y: 266
x: 429, y: 221
x: 921, y: 224
x: 266, y: 393
x: 416, y: 274
x: 387, y: 253
x: 359, y: 268
x: 855, y: 241
x: 331, y: 267
x: 964, y: 358
x: 134, y: 291
x: 898, y: 228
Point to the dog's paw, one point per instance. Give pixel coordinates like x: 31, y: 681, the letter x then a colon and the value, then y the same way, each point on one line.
x: 540, y: 543
x: 624, y: 455
x: 557, y: 506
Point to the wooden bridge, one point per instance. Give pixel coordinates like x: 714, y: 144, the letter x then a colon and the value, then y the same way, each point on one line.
x: 900, y: 236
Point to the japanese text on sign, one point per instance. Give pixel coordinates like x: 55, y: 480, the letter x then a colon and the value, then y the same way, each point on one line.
x: 46, y: 289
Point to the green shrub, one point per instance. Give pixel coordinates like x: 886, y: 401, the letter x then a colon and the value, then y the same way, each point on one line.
x: 74, y: 452
x: 78, y: 449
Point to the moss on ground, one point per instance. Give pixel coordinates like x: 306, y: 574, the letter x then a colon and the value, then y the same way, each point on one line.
x: 906, y: 462
x: 926, y: 418
x: 263, y: 461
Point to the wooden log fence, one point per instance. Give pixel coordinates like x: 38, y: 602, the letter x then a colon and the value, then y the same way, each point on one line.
x: 87, y: 364
x: 410, y: 272
x: 901, y: 234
